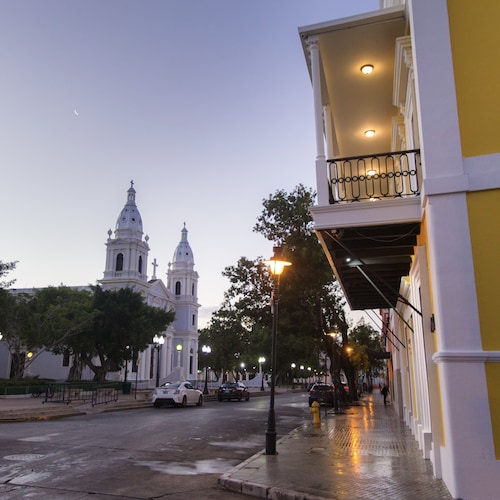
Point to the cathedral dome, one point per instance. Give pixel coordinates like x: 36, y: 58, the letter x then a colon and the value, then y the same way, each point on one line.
x: 183, y: 255
x: 129, y: 221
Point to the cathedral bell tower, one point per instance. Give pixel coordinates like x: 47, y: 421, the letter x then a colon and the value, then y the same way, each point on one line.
x: 126, y: 252
x: 183, y: 285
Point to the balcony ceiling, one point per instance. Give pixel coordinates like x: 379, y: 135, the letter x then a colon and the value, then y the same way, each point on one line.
x: 368, y: 260
x: 358, y: 102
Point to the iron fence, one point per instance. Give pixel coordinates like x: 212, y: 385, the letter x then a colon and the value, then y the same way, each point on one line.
x: 67, y: 393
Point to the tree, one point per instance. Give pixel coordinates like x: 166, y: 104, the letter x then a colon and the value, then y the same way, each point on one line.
x: 228, y: 339
x: 15, y: 319
x: 123, y: 323
x: 310, y: 303
x: 46, y: 320
x: 97, y: 328
x: 63, y: 315
x: 367, y: 355
x: 6, y: 267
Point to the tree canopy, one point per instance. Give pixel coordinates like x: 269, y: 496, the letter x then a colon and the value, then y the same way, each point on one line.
x: 310, y: 304
x: 6, y: 267
x: 97, y: 328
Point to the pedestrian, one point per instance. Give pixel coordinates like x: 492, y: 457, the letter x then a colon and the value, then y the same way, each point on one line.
x: 385, y: 392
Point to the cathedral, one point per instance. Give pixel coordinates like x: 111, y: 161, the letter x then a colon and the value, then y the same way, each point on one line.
x: 174, y: 356
x: 126, y: 266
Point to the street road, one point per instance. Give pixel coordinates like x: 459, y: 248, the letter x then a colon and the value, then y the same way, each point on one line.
x: 174, y: 453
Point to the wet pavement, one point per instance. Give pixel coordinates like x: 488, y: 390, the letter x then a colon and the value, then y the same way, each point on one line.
x: 362, y: 452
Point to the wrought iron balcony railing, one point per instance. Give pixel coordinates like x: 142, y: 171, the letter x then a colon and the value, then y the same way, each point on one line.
x: 372, y: 177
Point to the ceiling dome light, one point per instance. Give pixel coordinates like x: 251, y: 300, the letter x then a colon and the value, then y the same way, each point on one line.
x: 369, y: 133
x: 366, y: 69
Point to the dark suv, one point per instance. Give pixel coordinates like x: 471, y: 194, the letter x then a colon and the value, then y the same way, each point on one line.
x: 233, y: 390
x: 322, y: 393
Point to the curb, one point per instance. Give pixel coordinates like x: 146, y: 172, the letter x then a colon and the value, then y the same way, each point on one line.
x: 40, y: 414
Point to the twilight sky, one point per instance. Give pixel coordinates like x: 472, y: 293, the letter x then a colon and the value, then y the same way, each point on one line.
x: 205, y: 104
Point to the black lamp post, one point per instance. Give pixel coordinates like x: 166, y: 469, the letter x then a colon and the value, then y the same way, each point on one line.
x: 158, y: 341
x: 207, y: 350
x: 276, y: 267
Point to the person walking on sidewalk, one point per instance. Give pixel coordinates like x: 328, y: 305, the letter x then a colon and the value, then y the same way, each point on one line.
x: 385, y: 392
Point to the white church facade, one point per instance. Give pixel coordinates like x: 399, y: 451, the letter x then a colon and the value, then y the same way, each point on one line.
x: 127, y: 254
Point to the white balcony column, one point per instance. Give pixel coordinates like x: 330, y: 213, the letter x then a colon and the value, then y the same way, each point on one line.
x: 321, y: 166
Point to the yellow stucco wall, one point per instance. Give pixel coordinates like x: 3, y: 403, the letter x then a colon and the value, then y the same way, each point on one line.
x: 475, y: 42
x: 422, y: 240
x: 493, y: 380
x: 483, y: 206
x: 485, y: 239
x: 475, y: 39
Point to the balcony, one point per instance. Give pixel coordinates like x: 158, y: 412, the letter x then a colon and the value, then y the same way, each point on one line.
x: 369, y: 227
x: 374, y: 177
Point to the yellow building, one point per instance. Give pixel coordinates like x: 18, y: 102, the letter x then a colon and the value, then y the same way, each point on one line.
x: 407, y: 120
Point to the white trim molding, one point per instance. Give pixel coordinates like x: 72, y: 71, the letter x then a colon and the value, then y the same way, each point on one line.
x: 466, y: 357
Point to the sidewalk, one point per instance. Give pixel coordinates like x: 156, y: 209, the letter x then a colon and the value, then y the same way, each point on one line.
x: 363, y: 452
x: 27, y: 408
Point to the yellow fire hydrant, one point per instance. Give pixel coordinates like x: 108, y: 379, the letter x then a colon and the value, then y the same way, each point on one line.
x: 315, y: 413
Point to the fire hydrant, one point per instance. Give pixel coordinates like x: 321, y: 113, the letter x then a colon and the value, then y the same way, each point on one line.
x: 315, y: 413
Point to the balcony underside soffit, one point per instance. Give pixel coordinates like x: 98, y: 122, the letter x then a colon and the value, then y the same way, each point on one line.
x: 370, y: 261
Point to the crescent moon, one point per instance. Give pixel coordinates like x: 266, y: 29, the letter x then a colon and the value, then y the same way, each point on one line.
x: 76, y: 112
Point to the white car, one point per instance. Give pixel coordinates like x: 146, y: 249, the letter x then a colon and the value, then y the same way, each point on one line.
x: 177, y: 394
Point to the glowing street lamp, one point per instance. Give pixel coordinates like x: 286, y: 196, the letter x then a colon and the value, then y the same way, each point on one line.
x: 207, y: 350
x: 276, y: 267
x: 293, y: 366
x: 262, y: 360
x: 178, y: 348
x: 158, y: 341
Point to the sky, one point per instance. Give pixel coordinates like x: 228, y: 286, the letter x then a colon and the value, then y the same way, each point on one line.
x: 205, y: 104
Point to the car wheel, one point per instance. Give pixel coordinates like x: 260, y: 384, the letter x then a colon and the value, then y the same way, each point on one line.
x: 184, y: 402
x: 247, y: 398
x: 200, y: 401
x: 156, y: 405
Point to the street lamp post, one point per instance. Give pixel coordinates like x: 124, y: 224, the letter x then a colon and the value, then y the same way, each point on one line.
x: 207, y: 350
x: 262, y: 360
x: 158, y: 341
x: 276, y: 267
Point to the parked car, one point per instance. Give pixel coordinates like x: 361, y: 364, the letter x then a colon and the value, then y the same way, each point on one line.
x: 233, y: 390
x: 322, y: 393
x: 177, y: 394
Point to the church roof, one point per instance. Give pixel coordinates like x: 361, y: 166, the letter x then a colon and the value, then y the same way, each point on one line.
x: 183, y: 255
x: 129, y: 222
